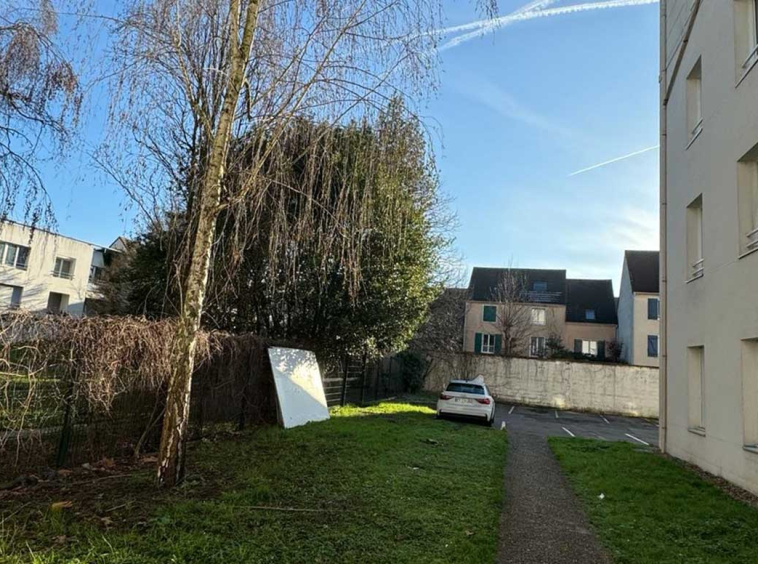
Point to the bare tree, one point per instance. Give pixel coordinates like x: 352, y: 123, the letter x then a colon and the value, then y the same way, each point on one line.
x: 514, y: 315
x: 443, y: 329
x: 192, y: 75
x: 40, y: 98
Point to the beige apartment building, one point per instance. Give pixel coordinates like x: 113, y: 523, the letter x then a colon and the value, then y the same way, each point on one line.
x: 639, y: 308
x: 581, y: 312
x: 41, y: 271
x: 709, y: 235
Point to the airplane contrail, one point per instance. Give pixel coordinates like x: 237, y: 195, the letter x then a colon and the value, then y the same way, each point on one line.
x: 617, y: 159
x: 483, y: 27
x: 533, y: 6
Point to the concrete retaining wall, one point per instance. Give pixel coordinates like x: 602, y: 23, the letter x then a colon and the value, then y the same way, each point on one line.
x: 604, y: 388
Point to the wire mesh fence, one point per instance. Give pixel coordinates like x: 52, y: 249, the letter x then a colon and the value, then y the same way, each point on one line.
x: 231, y: 390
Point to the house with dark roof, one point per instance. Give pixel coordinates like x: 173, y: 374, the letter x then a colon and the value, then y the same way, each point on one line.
x: 543, y: 303
x: 639, y: 308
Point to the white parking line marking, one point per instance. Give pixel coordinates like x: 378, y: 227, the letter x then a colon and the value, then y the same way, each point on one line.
x: 556, y: 414
x: 569, y: 432
x: 512, y: 408
x: 604, y: 419
x: 636, y: 439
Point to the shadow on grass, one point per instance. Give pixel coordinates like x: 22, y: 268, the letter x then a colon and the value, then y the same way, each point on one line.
x: 387, y: 483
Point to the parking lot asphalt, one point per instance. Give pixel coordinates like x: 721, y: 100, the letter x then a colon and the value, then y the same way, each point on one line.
x: 548, y: 422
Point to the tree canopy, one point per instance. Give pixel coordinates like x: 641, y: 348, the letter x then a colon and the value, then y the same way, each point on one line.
x: 277, y: 273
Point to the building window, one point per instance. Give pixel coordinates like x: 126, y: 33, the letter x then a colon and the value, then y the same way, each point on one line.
x: 695, y: 259
x: 746, y: 35
x: 537, y: 347
x: 747, y: 180
x: 539, y: 316
x: 489, y: 314
x: 10, y: 296
x: 96, y: 273
x: 696, y: 387
x: 57, y: 303
x: 14, y: 255
x: 540, y: 286
x: 488, y: 344
x: 589, y: 315
x: 64, y: 268
x: 750, y: 392
x: 694, y: 101
x: 652, y: 346
x: 589, y: 348
x: 653, y: 309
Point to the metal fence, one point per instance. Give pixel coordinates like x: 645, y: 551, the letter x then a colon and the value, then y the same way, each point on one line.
x: 358, y: 381
x: 232, y: 391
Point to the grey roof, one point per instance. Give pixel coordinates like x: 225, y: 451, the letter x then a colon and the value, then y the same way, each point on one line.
x: 644, y: 268
x: 595, y: 295
x: 486, y: 281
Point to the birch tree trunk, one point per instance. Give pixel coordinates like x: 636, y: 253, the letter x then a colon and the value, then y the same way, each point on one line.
x: 171, y: 463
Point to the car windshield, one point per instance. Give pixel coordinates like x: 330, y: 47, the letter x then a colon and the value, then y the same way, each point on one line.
x: 465, y: 388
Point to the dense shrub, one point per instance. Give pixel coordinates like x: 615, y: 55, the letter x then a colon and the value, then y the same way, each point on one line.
x: 414, y: 369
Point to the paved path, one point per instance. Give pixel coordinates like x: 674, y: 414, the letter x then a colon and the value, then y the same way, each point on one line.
x: 542, y: 521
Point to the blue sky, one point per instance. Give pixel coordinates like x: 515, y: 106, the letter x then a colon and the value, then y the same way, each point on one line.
x: 518, y: 111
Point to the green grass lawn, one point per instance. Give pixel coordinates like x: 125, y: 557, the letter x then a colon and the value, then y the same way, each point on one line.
x: 382, y: 484
x: 656, y: 510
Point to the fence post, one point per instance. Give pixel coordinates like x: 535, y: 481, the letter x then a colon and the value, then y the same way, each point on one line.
x: 67, y: 430
x: 363, y: 381
x: 343, y: 399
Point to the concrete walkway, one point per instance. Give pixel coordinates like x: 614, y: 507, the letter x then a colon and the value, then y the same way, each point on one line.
x: 542, y: 522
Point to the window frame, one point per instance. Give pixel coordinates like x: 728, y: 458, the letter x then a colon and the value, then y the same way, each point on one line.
x: 747, y: 198
x: 58, y: 272
x: 696, y: 375
x: 96, y: 273
x: 540, y: 350
x: 695, y: 239
x: 20, y: 255
x: 750, y: 394
x: 694, y: 102
x: 653, y: 339
x: 489, y: 343
x: 657, y: 302
x: 752, y: 37
x: 536, y: 320
x: 587, y: 347
x: 490, y: 308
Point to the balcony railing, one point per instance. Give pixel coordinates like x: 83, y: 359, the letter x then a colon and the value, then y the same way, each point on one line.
x: 65, y: 275
x: 752, y: 239
x: 751, y: 58
x: 697, y: 129
x: 697, y: 268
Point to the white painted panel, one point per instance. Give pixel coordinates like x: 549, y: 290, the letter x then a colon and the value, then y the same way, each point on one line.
x: 298, y: 386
